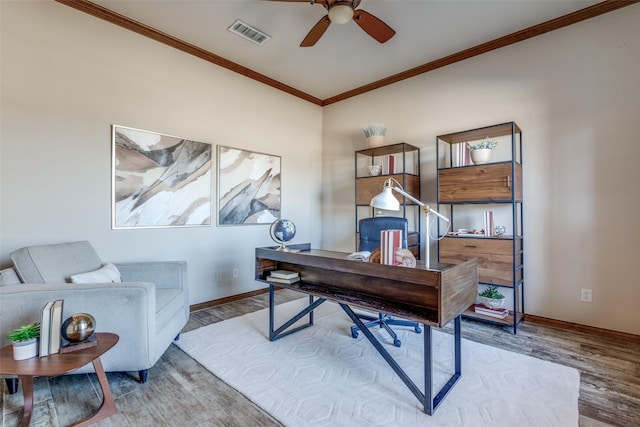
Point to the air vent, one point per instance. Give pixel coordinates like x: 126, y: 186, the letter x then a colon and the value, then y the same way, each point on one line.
x: 248, y: 32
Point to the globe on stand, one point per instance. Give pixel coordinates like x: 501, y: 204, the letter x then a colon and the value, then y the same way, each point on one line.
x: 282, y: 231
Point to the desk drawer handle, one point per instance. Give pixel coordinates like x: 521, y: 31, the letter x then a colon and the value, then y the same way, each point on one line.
x: 470, y: 246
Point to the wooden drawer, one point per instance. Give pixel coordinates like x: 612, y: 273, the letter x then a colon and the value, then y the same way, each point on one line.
x: 495, y: 257
x: 477, y: 183
x: 369, y: 187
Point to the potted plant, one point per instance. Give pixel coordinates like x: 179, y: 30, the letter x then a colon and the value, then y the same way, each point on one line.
x: 481, y: 152
x: 375, y: 134
x: 25, y: 341
x: 492, y: 298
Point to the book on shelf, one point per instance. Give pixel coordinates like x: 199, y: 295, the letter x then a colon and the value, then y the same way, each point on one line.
x: 499, y: 313
x: 461, y: 154
x: 56, y: 324
x: 280, y: 280
x: 388, y: 164
x: 283, y: 274
x: 488, y: 224
x: 45, y: 329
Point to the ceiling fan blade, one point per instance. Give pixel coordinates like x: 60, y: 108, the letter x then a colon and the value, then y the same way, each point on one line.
x: 373, y: 26
x: 316, y: 32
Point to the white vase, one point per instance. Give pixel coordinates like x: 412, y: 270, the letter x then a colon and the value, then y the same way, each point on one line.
x: 481, y: 156
x: 375, y: 141
x: 25, y: 349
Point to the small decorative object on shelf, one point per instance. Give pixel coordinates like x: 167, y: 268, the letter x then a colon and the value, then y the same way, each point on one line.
x: 492, y: 298
x: 481, y: 152
x: 500, y: 230
x: 25, y: 341
x: 375, y: 134
x: 282, y: 231
x: 374, y: 170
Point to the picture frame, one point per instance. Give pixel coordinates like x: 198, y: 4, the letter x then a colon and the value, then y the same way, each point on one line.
x: 160, y: 180
x: 249, y: 187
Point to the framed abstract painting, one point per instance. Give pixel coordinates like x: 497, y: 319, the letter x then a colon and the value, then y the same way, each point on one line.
x: 160, y: 180
x: 248, y: 187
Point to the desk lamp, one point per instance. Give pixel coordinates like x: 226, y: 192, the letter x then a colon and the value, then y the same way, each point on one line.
x: 387, y: 201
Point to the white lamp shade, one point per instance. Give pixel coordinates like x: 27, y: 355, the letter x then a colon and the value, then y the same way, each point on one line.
x: 340, y: 13
x: 385, y: 201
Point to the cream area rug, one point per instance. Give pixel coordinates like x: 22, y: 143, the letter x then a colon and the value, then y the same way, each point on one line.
x: 321, y: 376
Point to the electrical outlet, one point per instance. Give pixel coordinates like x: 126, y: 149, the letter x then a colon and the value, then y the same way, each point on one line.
x: 235, y: 272
x: 586, y: 295
x: 218, y: 276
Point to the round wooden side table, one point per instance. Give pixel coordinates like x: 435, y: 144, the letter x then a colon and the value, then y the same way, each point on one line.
x: 58, y: 364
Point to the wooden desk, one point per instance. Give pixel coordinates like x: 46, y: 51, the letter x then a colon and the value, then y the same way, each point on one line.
x: 58, y: 364
x: 432, y: 296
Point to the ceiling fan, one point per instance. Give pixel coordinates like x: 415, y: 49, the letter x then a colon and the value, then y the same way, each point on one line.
x: 341, y: 12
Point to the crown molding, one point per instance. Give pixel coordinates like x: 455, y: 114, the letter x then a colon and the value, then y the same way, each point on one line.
x: 528, y: 33
x: 150, y: 32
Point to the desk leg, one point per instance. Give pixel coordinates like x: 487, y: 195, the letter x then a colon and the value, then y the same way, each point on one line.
x: 457, y: 349
x: 275, y: 334
x: 108, y: 406
x: 429, y: 402
x: 27, y: 392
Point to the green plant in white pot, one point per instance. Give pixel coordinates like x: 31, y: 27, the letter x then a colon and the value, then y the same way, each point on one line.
x: 492, y: 298
x: 375, y: 134
x: 481, y: 152
x: 25, y: 341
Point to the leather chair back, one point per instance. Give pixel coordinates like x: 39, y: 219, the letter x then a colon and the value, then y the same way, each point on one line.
x: 370, y: 230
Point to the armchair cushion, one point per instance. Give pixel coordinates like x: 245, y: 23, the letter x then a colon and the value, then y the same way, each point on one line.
x: 55, y: 263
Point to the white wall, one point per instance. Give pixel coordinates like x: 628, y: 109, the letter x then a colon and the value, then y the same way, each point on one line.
x: 576, y: 96
x: 67, y: 77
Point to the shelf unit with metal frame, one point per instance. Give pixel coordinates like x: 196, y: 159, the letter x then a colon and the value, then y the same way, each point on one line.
x: 465, y: 190
x: 406, y: 172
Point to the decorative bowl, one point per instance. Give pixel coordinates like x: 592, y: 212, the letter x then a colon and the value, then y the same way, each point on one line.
x: 78, y: 327
x: 492, y: 302
x: 374, y: 170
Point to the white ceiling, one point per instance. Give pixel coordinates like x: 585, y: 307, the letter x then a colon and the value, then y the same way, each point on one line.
x: 345, y: 57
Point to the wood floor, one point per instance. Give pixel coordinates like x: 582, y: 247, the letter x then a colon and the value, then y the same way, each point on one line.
x: 180, y: 392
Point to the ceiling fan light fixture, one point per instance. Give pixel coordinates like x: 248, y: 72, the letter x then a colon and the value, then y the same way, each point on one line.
x: 340, y: 13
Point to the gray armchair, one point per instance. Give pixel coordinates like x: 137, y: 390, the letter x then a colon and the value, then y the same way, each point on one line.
x: 147, y: 310
x: 369, y: 231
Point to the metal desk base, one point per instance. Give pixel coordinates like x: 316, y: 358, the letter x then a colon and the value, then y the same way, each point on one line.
x: 429, y: 402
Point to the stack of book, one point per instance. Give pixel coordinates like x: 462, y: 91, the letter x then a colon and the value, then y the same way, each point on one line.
x: 461, y: 154
x: 50, y: 328
x: 390, y: 242
x: 388, y: 164
x: 283, y: 276
x: 499, y: 313
x: 488, y: 223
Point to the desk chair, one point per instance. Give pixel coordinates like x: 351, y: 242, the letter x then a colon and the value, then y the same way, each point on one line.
x: 369, y: 229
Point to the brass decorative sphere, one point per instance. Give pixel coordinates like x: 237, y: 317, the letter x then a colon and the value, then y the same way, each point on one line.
x: 78, y: 327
